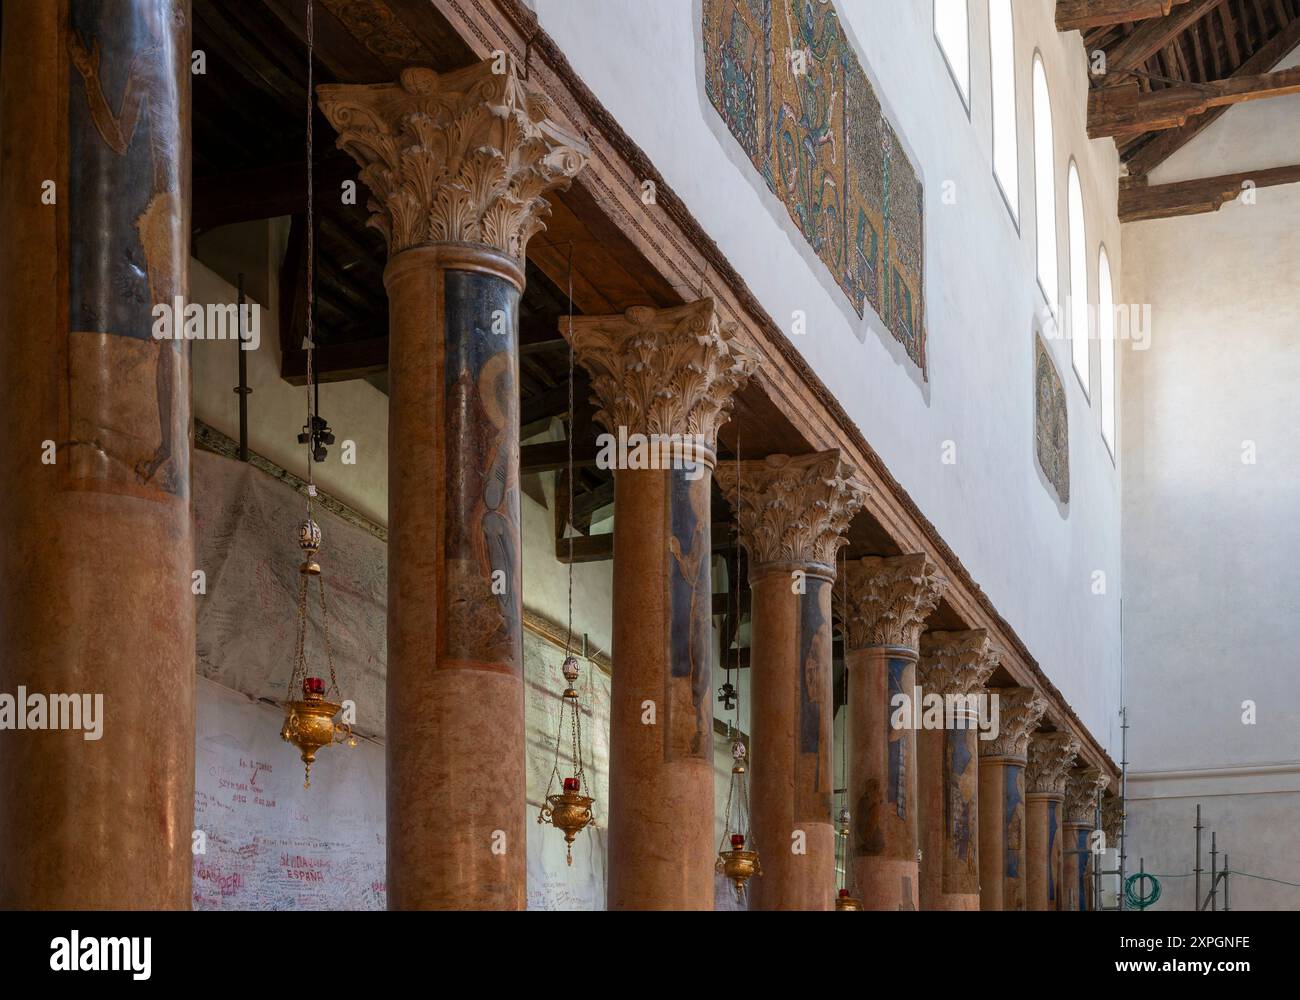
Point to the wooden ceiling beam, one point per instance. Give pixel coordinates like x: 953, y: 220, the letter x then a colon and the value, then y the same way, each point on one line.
x: 1153, y: 35
x: 1125, y: 109
x: 551, y: 455
x: 1230, y: 33
x: 1077, y: 15
x: 1139, y: 201
x: 266, y: 192
x: 1161, y: 147
x: 337, y: 362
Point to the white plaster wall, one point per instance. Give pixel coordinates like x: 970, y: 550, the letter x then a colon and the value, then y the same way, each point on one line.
x: 356, y: 410
x: 982, y: 301
x: 1212, y: 584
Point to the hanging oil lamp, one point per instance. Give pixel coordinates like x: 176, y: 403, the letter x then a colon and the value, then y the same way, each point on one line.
x: 737, y: 854
x: 844, y: 900
x: 568, y: 810
x: 309, y: 710
x: 309, y: 719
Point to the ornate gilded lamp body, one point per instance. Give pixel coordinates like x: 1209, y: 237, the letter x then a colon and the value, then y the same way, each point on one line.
x: 846, y: 902
x: 735, y: 862
x: 568, y: 810
x: 309, y: 723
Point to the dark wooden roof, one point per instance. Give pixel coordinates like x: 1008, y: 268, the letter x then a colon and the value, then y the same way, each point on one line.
x: 1197, y: 42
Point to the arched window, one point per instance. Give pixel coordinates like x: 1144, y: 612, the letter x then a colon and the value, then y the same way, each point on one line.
x: 1044, y: 186
x: 1106, y: 340
x: 1078, y: 301
x: 1002, y: 63
x: 953, y: 34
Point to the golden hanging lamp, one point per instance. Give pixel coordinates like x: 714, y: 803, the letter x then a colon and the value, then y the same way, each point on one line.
x: 309, y: 722
x: 737, y: 855
x: 568, y: 810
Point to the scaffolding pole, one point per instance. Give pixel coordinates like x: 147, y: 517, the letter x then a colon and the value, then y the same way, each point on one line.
x: 1196, y: 899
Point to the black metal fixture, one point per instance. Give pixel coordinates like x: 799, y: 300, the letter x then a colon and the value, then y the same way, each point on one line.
x: 317, y: 432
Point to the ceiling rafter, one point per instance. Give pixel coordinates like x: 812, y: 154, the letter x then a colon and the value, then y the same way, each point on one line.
x: 1164, y: 144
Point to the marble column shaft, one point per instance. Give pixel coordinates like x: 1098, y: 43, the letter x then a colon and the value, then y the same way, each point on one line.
x: 792, y: 514
x: 1002, y: 842
x: 457, y: 165
x: 1051, y: 755
x: 953, y: 665
x: 670, y: 376
x: 96, y: 564
x: 883, y: 605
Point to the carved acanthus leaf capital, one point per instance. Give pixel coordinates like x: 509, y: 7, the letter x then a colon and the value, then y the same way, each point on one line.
x: 1082, y: 787
x: 663, y: 372
x: 1019, y: 711
x: 460, y: 157
x: 956, y: 662
x: 792, y: 509
x: 1051, y: 755
x: 1112, y: 818
x: 885, y: 600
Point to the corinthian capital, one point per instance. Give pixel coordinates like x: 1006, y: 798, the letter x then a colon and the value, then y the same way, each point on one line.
x: 663, y: 371
x: 454, y: 157
x: 792, y: 509
x: 1112, y: 818
x: 1019, y: 710
x: 956, y: 662
x: 1082, y: 787
x: 1051, y: 755
x: 885, y: 600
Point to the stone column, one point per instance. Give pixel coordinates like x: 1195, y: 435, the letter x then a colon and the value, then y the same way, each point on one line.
x: 457, y: 165
x: 792, y: 514
x: 955, y: 665
x: 96, y: 612
x: 883, y: 606
x: 1002, y: 799
x: 663, y: 380
x: 1051, y: 755
x: 1082, y: 787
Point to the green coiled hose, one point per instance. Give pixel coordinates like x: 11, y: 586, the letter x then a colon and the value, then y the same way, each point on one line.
x: 1131, y: 897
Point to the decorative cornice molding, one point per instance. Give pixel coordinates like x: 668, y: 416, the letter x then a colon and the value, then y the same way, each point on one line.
x: 1082, y: 786
x: 1019, y: 711
x: 956, y: 662
x: 665, y: 372
x: 461, y: 157
x: 885, y: 600
x: 792, y: 509
x: 1051, y: 755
